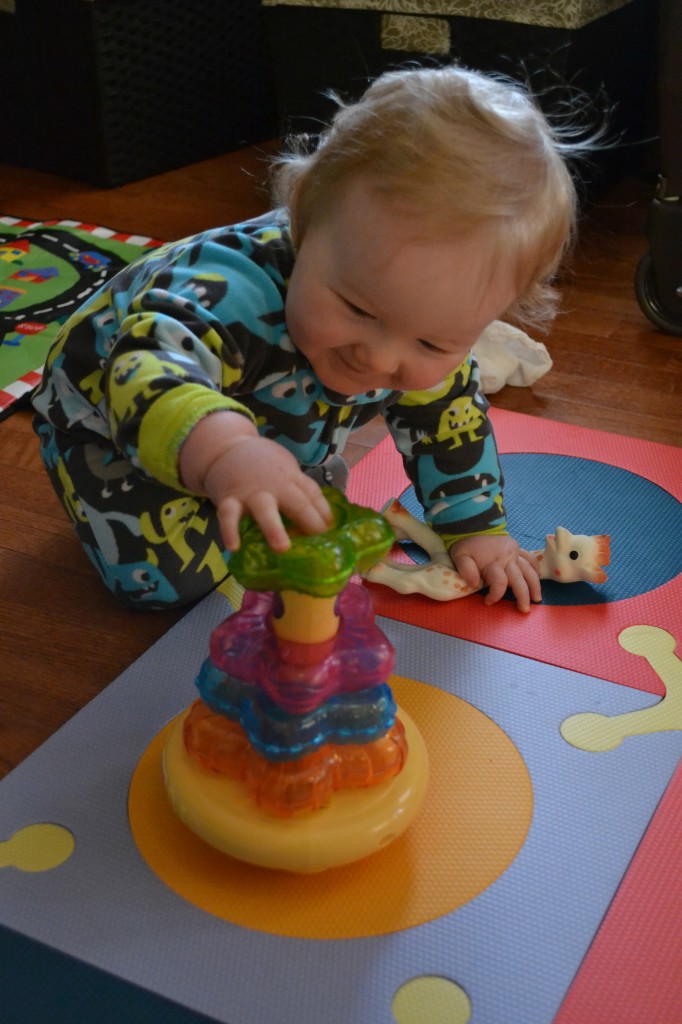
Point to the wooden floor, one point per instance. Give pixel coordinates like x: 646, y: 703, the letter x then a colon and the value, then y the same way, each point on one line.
x: 62, y: 637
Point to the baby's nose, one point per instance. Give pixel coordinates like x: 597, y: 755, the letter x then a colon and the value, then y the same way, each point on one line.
x: 380, y: 358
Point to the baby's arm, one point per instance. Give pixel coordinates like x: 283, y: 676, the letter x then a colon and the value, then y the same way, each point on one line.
x: 496, y: 561
x: 450, y: 455
x: 242, y: 473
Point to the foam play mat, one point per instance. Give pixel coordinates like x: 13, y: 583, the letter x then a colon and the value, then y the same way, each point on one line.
x: 540, y: 882
x: 47, y: 270
x: 591, y: 483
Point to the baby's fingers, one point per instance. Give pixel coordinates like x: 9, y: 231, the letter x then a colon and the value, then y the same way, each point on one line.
x: 307, y: 507
x: 263, y: 507
x: 512, y: 576
x: 497, y: 580
x: 529, y: 567
x: 468, y: 570
x: 230, y: 511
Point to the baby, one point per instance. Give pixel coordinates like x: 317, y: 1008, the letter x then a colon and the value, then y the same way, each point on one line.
x: 200, y: 383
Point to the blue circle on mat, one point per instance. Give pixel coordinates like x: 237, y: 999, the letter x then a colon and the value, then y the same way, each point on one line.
x: 643, y: 521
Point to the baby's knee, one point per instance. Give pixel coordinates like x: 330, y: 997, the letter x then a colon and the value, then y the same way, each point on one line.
x: 145, y: 587
x: 157, y: 581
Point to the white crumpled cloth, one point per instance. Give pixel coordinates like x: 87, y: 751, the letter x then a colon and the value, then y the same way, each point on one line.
x: 506, y: 355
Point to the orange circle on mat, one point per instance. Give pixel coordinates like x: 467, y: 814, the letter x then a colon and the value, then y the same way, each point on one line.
x: 473, y: 822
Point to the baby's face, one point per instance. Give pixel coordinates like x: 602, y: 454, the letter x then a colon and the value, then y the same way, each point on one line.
x: 372, y: 304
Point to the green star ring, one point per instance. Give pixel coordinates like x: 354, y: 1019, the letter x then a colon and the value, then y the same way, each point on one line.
x: 316, y: 564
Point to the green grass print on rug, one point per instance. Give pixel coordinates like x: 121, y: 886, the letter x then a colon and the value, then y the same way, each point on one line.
x: 47, y: 270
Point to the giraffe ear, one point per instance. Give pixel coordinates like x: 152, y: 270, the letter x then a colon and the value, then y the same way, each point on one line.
x: 550, y: 542
x: 563, y: 538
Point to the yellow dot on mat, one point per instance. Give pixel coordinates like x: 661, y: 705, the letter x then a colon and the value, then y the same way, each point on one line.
x: 36, y: 848
x: 472, y: 823
x: 431, y: 999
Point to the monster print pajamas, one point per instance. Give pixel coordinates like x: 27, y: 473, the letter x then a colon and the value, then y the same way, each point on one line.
x: 195, y: 327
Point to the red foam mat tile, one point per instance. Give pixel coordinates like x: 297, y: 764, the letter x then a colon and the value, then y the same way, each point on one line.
x: 639, y: 943
x: 581, y: 638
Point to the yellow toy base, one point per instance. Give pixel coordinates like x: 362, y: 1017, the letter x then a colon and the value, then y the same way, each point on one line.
x: 355, y: 823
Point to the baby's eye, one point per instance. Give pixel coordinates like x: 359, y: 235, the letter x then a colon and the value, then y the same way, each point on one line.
x: 357, y: 310
x: 428, y: 345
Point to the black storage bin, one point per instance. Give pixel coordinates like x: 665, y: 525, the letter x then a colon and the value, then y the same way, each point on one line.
x: 111, y: 91
x: 612, y: 59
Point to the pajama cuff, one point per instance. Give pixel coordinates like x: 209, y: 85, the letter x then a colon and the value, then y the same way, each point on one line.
x: 169, y: 420
x: 451, y: 538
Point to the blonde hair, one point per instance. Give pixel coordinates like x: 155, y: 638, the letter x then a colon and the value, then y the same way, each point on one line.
x: 461, y: 149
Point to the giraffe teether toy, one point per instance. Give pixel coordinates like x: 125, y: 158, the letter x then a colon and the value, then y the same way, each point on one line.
x: 566, y: 558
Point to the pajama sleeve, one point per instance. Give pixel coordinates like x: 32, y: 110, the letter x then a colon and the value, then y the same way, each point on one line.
x: 449, y: 453
x: 187, y: 342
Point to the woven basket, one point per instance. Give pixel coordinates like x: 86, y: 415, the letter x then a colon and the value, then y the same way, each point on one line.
x: 117, y: 90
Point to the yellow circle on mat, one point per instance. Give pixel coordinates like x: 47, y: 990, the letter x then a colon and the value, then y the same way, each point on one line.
x: 433, y: 999
x: 472, y: 824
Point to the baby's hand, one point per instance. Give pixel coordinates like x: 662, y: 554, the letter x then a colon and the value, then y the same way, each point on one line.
x: 260, y: 478
x: 242, y: 473
x: 497, y: 562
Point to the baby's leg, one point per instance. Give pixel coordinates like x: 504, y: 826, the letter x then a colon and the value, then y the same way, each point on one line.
x: 333, y: 472
x: 153, y: 547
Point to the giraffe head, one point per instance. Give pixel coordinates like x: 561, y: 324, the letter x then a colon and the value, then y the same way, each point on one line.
x: 569, y: 557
